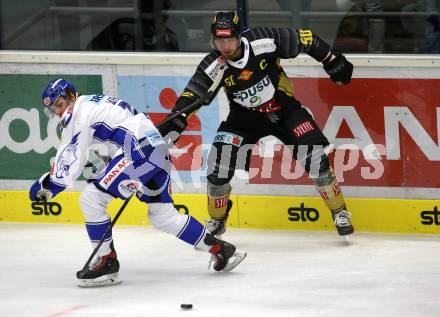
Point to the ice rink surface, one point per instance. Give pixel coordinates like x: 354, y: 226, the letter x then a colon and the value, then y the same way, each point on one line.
x: 286, y: 273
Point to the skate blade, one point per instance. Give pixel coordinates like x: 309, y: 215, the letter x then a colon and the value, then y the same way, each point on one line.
x: 346, y: 239
x: 237, y: 258
x: 105, y: 280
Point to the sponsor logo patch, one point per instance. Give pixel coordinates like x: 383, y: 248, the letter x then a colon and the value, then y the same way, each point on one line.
x: 154, y: 137
x: 263, y: 46
x: 245, y: 75
x: 223, y: 32
x: 128, y: 187
x: 114, y: 172
x: 303, y: 128
x: 229, y: 139
x: 213, y: 69
x: 221, y: 202
x: 254, y: 96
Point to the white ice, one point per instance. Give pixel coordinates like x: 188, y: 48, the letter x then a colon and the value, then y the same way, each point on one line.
x: 286, y: 273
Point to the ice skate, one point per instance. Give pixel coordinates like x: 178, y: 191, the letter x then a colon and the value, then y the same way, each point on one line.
x: 218, y: 226
x: 225, y: 256
x: 101, y: 272
x: 343, y: 224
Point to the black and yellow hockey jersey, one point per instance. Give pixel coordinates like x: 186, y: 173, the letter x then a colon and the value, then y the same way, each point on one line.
x: 256, y: 82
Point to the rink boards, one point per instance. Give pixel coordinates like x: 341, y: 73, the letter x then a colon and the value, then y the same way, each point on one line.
x: 383, y: 129
x: 249, y: 211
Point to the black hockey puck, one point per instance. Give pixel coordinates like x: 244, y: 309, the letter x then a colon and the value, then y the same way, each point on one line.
x: 186, y: 306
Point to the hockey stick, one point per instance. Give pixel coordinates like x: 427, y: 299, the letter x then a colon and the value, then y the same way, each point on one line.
x: 195, y: 104
x: 84, y: 269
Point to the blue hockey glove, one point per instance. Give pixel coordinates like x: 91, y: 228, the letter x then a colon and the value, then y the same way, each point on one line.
x: 44, y: 189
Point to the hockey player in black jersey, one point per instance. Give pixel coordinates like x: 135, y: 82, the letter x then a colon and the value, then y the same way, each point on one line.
x: 261, y: 103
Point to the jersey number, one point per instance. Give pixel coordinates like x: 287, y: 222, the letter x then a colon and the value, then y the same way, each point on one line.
x: 306, y: 37
x: 229, y: 81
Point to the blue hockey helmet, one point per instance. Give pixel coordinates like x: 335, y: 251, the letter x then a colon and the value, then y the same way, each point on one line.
x: 55, y: 89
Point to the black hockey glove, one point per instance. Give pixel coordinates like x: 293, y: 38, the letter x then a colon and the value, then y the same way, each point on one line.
x: 177, y: 125
x: 339, y: 69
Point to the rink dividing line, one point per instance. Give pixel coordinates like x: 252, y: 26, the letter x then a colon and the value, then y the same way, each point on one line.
x: 67, y: 310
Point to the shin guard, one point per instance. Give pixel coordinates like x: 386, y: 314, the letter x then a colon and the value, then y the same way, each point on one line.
x: 330, y: 191
x: 218, y: 197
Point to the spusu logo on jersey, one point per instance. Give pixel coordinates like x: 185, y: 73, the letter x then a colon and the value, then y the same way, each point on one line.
x: 254, y: 96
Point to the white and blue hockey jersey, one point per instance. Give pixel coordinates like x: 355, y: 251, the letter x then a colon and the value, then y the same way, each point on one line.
x: 100, y: 119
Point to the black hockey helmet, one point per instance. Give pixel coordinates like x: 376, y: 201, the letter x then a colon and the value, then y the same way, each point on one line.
x: 225, y: 24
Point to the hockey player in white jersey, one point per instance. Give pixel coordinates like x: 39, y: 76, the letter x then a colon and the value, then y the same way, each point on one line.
x: 139, y: 165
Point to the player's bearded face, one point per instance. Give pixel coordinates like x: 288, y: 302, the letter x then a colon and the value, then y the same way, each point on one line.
x: 229, y: 47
